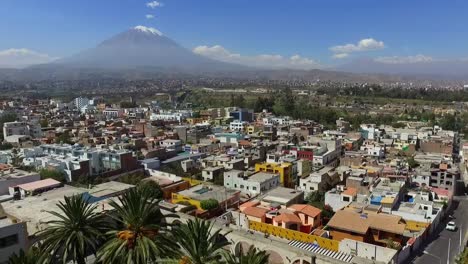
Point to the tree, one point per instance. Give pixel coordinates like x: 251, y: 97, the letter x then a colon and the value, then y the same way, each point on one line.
x: 253, y: 256
x: 198, y: 243
x: 6, y: 146
x: 31, y: 256
x: 152, y: 187
x: 412, y: 163
x: 52, y: 174
x: 284, y: 104
x: 16, y: 158
x: 77, y: 231
x: 64, y: 138
x: 209, y: 204
x: 138, y: 231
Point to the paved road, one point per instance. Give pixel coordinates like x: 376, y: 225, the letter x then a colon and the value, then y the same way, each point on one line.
x: 446, y: 244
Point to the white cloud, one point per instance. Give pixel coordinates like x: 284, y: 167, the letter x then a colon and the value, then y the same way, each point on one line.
x: 340, y: 55
x: 404, y: 59
x: 19, y: 58
x: 368, y: 44
x: 149, y: 16
x: 275, y: 61
x: 154, y: 4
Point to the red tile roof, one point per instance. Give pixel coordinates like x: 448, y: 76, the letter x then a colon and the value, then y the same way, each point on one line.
x: 306, y: 209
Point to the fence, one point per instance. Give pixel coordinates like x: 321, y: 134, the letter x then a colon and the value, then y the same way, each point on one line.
x: 294, y: 235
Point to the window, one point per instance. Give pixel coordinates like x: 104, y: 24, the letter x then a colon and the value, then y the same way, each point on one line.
x: 8, y: 241
x: 242, y: 186
x: 254, y: 188
x: 312, y: 188
x: 346, y: 198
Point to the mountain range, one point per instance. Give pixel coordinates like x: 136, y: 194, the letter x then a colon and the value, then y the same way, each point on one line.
x: 143, y: 52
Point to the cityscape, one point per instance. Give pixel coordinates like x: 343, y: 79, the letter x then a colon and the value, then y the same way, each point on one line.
x: 143, y: 149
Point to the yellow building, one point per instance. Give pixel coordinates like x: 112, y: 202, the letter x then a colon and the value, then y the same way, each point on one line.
x: 284, y: 170
x: 226, y: 198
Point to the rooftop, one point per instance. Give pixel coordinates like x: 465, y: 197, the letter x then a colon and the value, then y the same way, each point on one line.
x: 202, y: 192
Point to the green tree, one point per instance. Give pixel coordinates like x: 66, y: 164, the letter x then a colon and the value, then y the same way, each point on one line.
x: 52, y: 174
x: 284, y: 104
x: 31, y: 256
x: 252, y: 256
x: 138, y: 231
x: 412, y: 163
x: 77, y: 230
x: 16, y: 158
x: 209, y: 204
x: 198, y: 243
x: 64, y: 138
x: 6, y: 146
x: 152, y: 187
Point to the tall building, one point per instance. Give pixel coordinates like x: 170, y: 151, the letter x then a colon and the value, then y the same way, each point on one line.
x: 80, y: 102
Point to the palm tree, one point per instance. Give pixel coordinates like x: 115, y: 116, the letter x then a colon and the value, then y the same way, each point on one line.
x: 253, y: 256
x: 31, y: 256
x: 139, y: 227
x: 77, y: 231
x: 198, y: 243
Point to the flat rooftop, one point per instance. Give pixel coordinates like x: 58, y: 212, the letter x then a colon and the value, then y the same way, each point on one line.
x: 262, y: 176
x: 281, y: 195
x: 202, y: 192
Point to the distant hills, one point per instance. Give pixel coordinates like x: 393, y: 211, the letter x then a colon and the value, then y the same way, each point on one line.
x: 142, y: 53
x: 434, y: 69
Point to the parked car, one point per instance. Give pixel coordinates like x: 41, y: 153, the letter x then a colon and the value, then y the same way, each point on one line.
x: 451, y: 226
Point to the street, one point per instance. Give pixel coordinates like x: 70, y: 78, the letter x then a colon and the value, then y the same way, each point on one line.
x: 446, y: 244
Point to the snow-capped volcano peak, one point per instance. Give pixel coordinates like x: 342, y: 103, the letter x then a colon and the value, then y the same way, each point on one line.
x: 148, y: 30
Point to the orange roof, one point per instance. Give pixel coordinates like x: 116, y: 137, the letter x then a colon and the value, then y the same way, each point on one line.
x: 288, y: 218
x: 360, y: 223
x: 47, y: 183
x: 306, y: 209
x: 255, y: 211
x: 443, y: 166
x: 248, y: 204
x: 350, y: 191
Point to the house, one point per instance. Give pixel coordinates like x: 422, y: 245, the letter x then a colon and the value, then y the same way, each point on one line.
x: 13, y: 236
x: 214, y: 174
x: 226, y: 198
x: 12, y: 177
x: 310, y: 216
x: 373, y: 228
x: 254, y: 184
x: 282, y: 197
x: 285, y: 171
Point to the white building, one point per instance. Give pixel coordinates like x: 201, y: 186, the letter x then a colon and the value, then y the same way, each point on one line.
x: 254, y: 184
x: 80, y: 102
x: 171, y: 144
x: 237, y: 126
x: 21, y: 129
x: 111, y: 113
x: 13, y: 236
x: 171, y: 115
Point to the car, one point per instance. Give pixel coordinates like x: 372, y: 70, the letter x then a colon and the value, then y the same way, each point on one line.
x: 451, y: 226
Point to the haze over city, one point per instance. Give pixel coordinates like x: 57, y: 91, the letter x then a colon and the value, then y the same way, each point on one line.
x: 233, y: 132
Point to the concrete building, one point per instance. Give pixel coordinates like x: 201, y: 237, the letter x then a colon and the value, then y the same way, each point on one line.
x: 12, y: 177
x: 111, y: 113
x: 21, y: 129
x: 13, y: 236
x: 254, y: 184
x: 75, y: 160
x: 171, y: 144
x: 226, y: 198
x: 81, y: 102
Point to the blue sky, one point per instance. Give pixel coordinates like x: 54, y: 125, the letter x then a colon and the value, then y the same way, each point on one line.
x: 402, y: 30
